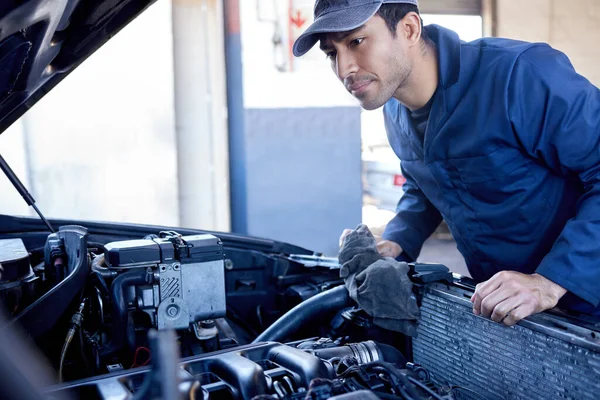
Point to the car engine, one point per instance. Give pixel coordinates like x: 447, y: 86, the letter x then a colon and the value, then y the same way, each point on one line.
x: 135, y: 312
x: 114, y: 319
x: 305, y: 370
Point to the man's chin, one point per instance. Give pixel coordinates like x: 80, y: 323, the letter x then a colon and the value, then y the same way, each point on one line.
x: 370, y: 105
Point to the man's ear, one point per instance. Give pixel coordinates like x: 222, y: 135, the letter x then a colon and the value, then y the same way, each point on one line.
x: 410, y: 27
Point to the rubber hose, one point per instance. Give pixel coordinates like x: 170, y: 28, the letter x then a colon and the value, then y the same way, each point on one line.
x: 119, y: 305
x: 392, y: 355
x: 323, y: 303
x: 102, y: 282
x: 99, y: 268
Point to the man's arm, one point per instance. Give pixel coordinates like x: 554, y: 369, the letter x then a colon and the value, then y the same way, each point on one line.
x: 416, y: 219
x: 555, y: 114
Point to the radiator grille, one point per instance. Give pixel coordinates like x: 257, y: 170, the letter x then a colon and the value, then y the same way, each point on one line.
x: 534, y: 361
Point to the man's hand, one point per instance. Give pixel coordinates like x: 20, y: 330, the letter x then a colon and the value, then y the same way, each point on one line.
x: 386, y: 248
x: 510, y: 296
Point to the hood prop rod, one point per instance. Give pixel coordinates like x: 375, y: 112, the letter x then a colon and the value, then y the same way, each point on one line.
x: 14, y: 179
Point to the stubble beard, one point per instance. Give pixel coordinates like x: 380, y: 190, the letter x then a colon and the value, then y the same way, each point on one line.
x: 388, y: 88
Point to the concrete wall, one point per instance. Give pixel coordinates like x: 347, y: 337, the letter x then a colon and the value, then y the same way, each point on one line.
x: 572, y: 27
x: 101, y: 145
x: 303, y: 170
x: 301, y: 138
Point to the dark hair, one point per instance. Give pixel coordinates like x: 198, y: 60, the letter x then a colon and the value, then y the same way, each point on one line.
x: 392, y: 13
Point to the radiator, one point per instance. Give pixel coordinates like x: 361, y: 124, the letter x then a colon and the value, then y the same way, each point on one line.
x: 544, y: 357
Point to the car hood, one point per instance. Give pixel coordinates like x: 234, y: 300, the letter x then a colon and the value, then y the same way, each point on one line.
x: 42, y: 41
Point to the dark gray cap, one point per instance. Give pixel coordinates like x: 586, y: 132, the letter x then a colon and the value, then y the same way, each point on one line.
x: 339, y: 16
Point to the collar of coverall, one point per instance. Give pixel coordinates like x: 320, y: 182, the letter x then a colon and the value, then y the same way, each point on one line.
x: 448, y: 49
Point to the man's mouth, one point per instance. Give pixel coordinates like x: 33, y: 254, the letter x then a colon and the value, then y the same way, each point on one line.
x: 358, y: 88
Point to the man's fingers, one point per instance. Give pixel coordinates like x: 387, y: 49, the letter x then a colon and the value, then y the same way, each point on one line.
x: 493, y: 300
x: 517, y: 314
x: 345, y: 233
x: 510, y: 296
x: 484, y: 289
x: 383, y: 249
x: 503, y: 309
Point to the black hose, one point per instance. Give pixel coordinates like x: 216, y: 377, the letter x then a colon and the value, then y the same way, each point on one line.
x: 101, y: 281
x: 323, y: 303
x: 392, y: 354
x: 119, y: 305
x: 98, y: 266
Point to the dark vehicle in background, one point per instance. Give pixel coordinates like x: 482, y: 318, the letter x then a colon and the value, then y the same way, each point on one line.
x: 119, y: 311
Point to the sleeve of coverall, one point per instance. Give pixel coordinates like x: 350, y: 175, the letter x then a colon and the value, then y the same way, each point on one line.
x: 555, y: 112
x: 415, y: 221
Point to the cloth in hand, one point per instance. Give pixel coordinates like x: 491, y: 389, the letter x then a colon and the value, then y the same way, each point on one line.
x: 380, y: 285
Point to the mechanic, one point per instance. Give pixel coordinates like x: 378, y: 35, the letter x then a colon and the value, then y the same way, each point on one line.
x: 500, y: 138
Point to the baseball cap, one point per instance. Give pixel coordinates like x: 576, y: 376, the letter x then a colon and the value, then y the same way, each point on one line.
x: 339, y: 16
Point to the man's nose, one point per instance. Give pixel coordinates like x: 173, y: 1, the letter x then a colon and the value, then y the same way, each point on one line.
x: 346, y: 65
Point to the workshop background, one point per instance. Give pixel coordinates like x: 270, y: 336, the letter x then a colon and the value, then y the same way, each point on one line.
x: 197, y: 115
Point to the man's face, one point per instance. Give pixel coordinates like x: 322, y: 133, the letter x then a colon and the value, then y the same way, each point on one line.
x: 371, y: 62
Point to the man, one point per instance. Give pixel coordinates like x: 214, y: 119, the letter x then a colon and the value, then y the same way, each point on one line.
x: 500, y: 138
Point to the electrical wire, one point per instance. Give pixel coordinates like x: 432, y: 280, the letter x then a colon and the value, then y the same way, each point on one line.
x: 193, y: 389
x: 63, y: 353
x: 135, y: 356
x: 76, y: 322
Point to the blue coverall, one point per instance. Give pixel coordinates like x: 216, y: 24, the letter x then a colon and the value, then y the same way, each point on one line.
x: 511, y: 161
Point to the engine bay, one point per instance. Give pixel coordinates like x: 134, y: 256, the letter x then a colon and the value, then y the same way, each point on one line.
x: 312, y: 369
x: 126, y: 311
x: 111, y: 317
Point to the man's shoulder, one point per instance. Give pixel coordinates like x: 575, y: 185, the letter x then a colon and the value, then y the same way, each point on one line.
x: 503, y: 49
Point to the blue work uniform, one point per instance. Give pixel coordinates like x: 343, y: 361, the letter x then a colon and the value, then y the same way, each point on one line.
x: 510, y: 159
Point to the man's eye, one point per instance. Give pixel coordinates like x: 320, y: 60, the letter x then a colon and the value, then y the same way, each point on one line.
x: 330, y: 55
x: 356, y: 42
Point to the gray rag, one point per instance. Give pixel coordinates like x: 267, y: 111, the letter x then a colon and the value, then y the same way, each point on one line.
x: 380, y: 285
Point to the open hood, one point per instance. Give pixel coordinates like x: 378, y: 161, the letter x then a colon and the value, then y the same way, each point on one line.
x: 42, y: 41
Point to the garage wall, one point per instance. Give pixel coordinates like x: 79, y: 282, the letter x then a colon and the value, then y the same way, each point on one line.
x: 299, y: 139
x: 303, y: 169
x: 572, y: 27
